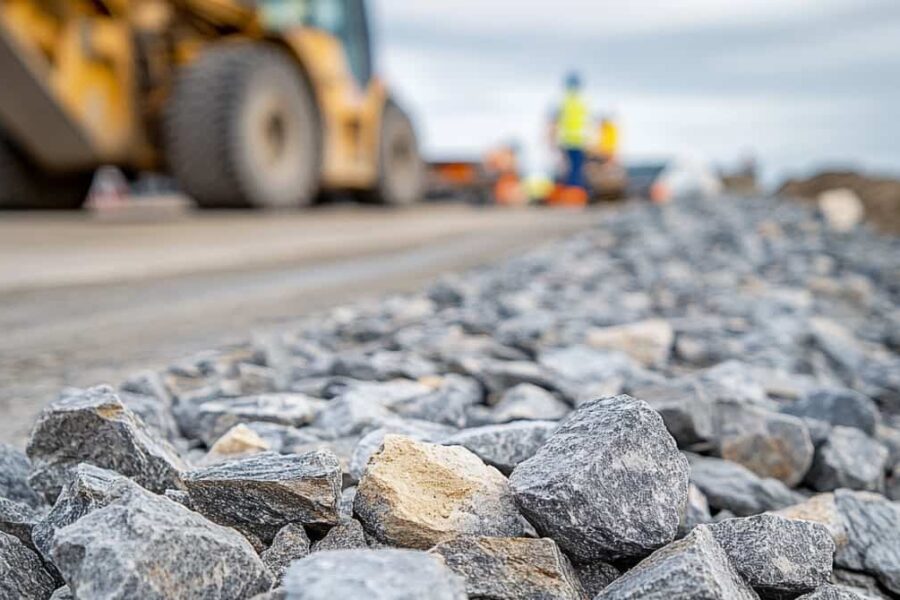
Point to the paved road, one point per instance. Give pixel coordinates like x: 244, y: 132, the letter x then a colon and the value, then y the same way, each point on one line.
x: 85, y: 301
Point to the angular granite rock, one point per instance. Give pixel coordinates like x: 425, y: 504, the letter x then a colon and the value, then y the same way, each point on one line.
x: 608, y: 484
x: 291, y: 543
x: 583, y: 374
x: 264, y: 493
x: 873, y: 533
x: 156, y: 415
x: 527, y: 402
x: 685, y: 408
x: 734, y: 381
x: 649, y: 342
x: 274, y: 594
x: 822, y: 509
x: 212, y: 419
x: 692, y: 567
x: 141, y: 545
x: 382, y: 365
x: 581, y: 365
x: 346, y: 535
x: 63, y: 593
x: 14, y: 471
x: 596, y: 576
x: 181, y: 497
x: 730, y: 486
x: 768, y: 443
x: 88, y: 489
x: 831, y: 592
x: 777, y: 556
x: 385, y: 574
x: 352, y: 414
x: 511, y: 567
x: 22, y: 574
x: 848, y: 459
x: 498, y: 376
x: 862, y: 584
x: 415, y: 495
x: 446, y: 400
x: 504, y: 446
x: 838, y: 407
x: 95, y: 427
x: 696, y: 511
x: 346, y: 503
x: 18, y: 520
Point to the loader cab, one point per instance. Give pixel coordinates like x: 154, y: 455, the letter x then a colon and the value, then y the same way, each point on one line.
x: 347, y: 20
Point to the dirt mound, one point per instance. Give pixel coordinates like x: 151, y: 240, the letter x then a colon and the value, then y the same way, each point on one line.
x: 880, y: 195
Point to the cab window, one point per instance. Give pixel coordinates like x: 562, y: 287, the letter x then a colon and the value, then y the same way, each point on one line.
x: 345, y: 19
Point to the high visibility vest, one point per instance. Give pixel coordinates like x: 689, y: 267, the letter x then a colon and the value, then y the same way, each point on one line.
x: 572, y: 124
x: 609, y: 139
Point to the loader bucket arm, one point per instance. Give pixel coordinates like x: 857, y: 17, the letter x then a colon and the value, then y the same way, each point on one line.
x: 31, y: 114
x: 68, y: 97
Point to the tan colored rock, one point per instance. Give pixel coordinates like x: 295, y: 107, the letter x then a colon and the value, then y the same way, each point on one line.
x: 240, y: 441
x: 648, y: 342
x: 415, y: 495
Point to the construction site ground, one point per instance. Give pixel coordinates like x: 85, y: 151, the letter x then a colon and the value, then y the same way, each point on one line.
x: 87, y: 299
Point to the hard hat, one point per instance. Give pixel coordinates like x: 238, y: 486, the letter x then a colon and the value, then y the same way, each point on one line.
x: 573, y: 80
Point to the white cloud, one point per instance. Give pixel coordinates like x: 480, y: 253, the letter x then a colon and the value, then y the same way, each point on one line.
x: 593, y: 17
x: 836, y: 48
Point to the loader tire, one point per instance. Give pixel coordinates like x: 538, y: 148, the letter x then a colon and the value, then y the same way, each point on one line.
x: 241, y: 129
x: 23, y: 186
x: 401, y: 171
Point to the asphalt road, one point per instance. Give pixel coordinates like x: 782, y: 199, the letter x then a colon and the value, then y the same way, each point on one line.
x: 86, y: 300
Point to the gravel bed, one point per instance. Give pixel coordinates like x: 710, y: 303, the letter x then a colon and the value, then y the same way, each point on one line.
x: 700, y: 400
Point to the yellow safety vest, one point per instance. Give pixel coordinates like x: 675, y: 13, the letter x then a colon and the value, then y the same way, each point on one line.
x: 573, y: 122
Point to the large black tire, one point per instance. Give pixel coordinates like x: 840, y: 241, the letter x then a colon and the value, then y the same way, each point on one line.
x: 241, y: 129
x: 401, y: 171
x: 23, y: 186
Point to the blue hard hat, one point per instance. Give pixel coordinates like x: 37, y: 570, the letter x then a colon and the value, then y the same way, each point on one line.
x: 573, y: 80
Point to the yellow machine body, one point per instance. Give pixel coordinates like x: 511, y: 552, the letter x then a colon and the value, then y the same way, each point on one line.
x: 85, y: 82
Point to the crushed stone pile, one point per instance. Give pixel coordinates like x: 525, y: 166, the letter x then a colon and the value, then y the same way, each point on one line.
x: 693, y: 401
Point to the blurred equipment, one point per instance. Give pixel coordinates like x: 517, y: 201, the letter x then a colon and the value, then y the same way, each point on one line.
x: 459, y: 180
x: 743, y: 180
x: 502, y: 165
x: 247, y: 104
x: 606, y: 178
x: 494, y: 179
x: 664, y: 181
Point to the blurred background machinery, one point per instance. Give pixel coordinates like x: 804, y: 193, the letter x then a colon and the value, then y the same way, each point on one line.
x: 246, y: 103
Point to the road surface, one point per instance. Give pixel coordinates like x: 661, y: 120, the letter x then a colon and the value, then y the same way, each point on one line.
x: 86, y: 300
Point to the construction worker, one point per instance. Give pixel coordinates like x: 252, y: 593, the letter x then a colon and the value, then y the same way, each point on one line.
x: 571, y: 130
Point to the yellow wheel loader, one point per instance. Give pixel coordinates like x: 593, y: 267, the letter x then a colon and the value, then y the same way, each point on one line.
x: 246, y: 103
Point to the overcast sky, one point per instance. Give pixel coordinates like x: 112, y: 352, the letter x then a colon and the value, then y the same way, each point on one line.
x: 801, y: 83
